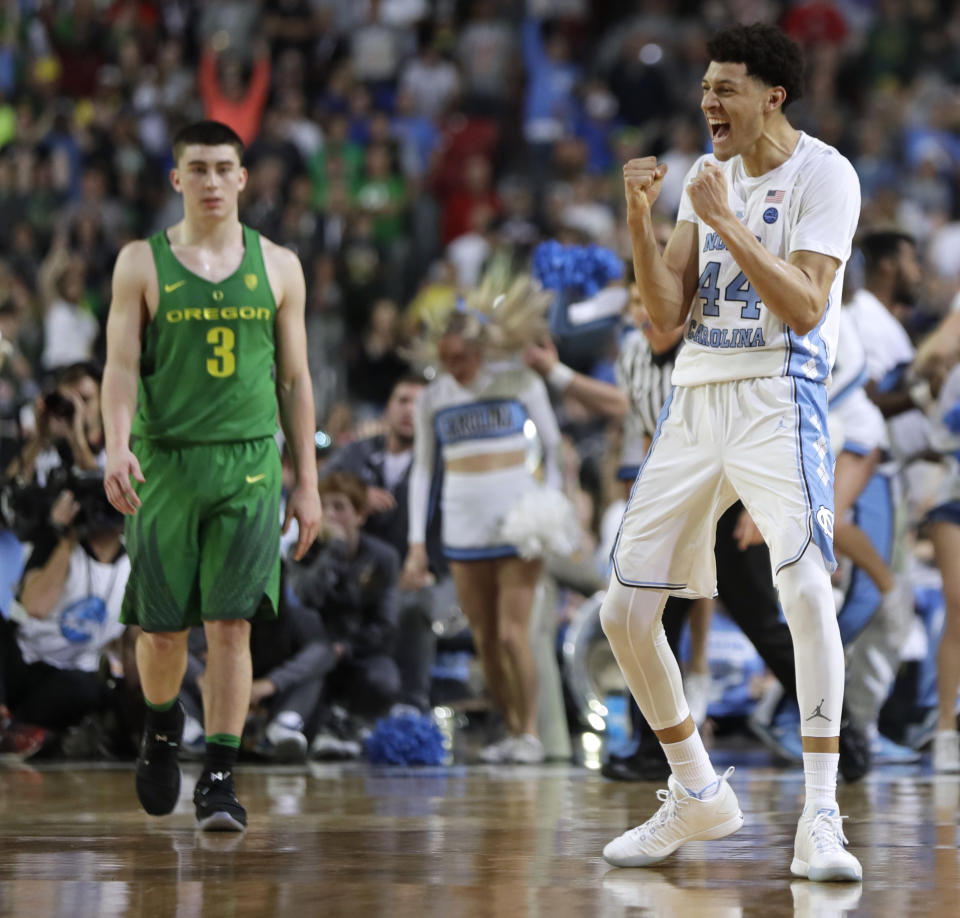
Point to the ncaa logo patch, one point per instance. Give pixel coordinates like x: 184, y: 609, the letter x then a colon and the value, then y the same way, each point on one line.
x: 770, y: 215
x: 825, y: 520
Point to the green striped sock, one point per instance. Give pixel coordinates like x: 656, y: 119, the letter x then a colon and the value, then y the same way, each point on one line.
x: 225, y: 739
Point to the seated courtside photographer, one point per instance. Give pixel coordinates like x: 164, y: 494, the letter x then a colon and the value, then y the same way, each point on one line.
x: 67, y: 428
x: 68, y: 611
x: 349, y: 579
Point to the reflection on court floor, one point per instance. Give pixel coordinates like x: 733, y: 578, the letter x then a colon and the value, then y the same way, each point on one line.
x: 473, y: 841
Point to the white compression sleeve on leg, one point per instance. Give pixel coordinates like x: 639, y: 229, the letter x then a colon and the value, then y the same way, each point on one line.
x: 631, y: 620
x: 807, y: 600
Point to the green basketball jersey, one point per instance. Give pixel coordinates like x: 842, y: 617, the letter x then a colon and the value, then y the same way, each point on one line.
x: 207, y: 364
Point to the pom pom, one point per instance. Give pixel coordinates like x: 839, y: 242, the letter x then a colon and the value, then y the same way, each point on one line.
x: 542, y: 521
x: 406, y: 739
x: 581, y: 268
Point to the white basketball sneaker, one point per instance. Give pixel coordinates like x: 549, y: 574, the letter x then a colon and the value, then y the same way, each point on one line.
x: 818, y: 852
x: 681, y: 818
x: 526, y: 750
x: 946, y: 752
x: 286, y: 742
x: 497, y: 753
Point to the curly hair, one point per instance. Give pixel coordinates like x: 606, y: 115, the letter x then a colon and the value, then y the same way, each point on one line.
x: 768, y: 54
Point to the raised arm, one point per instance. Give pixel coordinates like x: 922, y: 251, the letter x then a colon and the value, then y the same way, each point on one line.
x: 125, y: 324
x: 794, y: 290
x: 52, y: 268
x: 295, y: 395
x: 49, y: 563
x: 667, y: 281
x: 208, y: 80
x: 593, y: 394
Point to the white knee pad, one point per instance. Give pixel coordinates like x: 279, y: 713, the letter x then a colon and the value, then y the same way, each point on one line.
x: 807, y: 599
x: 631, y: 620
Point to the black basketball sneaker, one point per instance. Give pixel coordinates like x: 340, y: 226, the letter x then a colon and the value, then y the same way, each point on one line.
x: 218, y: 809
x: 158, y: 765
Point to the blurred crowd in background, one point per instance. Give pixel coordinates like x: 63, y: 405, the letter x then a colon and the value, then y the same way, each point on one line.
x: 397, y: 145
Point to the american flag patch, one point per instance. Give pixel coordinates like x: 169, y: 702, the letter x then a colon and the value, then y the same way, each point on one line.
x: 775, y: 197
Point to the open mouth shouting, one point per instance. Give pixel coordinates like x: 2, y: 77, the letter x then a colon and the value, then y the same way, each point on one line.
x: 719, y: 129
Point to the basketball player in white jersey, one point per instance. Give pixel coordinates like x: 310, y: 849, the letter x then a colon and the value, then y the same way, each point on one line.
x: 755, y: 268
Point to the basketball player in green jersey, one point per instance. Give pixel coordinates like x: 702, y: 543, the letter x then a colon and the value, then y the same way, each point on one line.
x: 207, y: 321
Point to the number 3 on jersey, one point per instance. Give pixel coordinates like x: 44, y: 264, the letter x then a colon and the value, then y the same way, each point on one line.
x: 738, y: 290
x: 223, y: 362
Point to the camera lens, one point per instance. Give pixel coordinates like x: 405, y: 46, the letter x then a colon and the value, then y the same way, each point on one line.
x: 59, y: 406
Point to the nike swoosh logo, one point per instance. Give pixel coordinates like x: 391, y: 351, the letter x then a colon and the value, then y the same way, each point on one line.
x: 253, y: 479
x: 169, y: 288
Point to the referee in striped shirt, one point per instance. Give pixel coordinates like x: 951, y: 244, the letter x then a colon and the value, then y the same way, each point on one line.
x: 644, y: 367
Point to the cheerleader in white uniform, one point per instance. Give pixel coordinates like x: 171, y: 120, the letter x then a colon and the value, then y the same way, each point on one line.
x: 474, y: 425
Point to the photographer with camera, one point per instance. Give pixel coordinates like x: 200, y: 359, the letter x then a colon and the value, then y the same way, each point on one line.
x: 68, y: 612
x: 68, y: 428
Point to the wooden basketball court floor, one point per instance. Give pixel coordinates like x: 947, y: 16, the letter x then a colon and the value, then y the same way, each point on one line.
x: 353, y: 840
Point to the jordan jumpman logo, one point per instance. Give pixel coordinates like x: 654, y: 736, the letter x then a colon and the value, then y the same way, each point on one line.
x: 818, y: 713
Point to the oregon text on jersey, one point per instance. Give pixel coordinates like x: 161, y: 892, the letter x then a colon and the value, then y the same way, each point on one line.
x: 218, y: 313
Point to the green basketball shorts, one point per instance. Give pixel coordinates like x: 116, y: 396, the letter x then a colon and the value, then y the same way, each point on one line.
x: 205, y: 543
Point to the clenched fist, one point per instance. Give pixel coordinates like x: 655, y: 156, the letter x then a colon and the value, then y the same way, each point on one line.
x: 708, y: 194
x: 642, y: 179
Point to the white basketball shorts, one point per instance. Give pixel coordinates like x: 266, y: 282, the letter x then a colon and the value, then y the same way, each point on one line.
x: 763, y: 440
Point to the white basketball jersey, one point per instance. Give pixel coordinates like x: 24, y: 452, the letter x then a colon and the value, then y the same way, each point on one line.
x: 811, y: 202
x: 885, y: 341
x: 889, y: 352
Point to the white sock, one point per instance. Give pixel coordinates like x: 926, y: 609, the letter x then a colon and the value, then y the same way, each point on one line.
x: 820, y: 778
x: 691, y: 766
